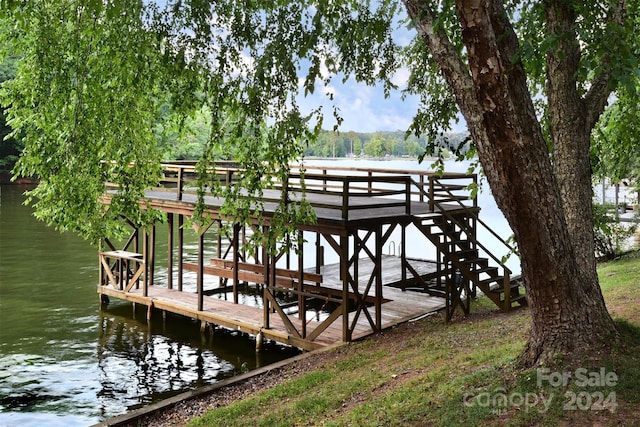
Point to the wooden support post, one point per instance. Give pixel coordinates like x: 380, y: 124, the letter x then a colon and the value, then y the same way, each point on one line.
x: 267, y: 284
x: 180, y: 248
x: 344, y: 275
x: 104, y: 300
x: 506, y: 285
x: 287, y: 254
x: 100, y: 267
x: 474, y: 239
x: 149, y: 311
x: 244, y: 243
x: 302, y: 309
x: 378, y: 298
x: 200, y: 230
x: 170, y: 251
x: 345, y: 199
x: 403, y: 256
x: 152, y: 250
x: 180, y: 184
x: 357, y: 246
x: 200, y: 277
x: 407, y: 190
x: 319, y: 255
x: 475, y: 183
x: 431, y: 194
x: 136, y: 248
x: 120, y: 274
x: 236, y: 260
x: 272, y: 277
x: 145, y: 257
x: 259, y: 339
x: 324, y: 181
x: 219, y: 248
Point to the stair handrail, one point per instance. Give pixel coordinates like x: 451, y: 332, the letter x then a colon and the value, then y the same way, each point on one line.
x: 464, y: 226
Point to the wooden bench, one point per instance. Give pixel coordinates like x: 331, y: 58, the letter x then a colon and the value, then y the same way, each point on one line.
x: 285, y: 278
x: 253, y: 273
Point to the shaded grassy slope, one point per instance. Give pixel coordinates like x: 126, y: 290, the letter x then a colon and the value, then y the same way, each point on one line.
x: 463, y: 373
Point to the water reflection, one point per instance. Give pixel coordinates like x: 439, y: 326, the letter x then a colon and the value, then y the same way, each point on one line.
x: 137, y: 364
x: 65, y: 362
x: 38, y: 390
x: 167, y: 357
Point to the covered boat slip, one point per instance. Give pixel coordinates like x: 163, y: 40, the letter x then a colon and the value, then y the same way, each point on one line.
x: 302, y: 300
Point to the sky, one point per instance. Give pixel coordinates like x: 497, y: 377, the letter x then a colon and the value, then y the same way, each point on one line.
x: 363, y: 108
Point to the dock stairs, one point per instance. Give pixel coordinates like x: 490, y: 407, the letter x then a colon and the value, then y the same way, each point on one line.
x: 469, y: 267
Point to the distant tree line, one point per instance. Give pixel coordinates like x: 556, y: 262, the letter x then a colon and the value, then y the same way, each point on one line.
x: 331, y: 144
x: 187, y: 140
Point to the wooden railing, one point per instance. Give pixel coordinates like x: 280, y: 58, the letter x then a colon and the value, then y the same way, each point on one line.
x: 122, y: 269
x: 348, y: 185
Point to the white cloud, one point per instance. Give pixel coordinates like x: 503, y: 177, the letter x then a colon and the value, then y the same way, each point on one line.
x: 401, y: 77
x: 363, y: 108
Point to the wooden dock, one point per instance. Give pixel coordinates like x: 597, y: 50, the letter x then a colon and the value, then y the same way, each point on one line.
x: 398, y: 307
x: 363, y: 293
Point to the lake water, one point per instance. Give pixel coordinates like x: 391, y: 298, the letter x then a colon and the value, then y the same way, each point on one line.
x: 65, y: 362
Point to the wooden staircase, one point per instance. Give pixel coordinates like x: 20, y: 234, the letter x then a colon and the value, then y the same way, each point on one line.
x: 468, y: 265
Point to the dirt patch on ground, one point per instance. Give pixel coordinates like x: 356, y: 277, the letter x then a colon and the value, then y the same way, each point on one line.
x: 181, y: 412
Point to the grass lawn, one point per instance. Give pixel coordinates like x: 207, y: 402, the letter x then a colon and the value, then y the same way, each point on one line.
x: 459, y: 374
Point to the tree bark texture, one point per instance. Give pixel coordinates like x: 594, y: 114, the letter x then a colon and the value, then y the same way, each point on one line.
x: 570, y: 134
x: 567, y: 307
x: 572, y: 118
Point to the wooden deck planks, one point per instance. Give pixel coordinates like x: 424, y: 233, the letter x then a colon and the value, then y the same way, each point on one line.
x: 400, y: 307
x: 391, y: 268
x: 328, y: 208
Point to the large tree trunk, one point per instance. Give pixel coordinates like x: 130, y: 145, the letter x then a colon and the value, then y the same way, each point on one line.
x: 567, y: 307
x: 570, y: 134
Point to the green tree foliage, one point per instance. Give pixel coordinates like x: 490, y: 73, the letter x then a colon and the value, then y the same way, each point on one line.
x: 93, y: 80
x: 10, y: 147
x: 610, y: 234
x: 615, y: 152
x: 95, y: 74
x: 186, y: 139
x: 8, y: 69
x: 376, y: 146
x: 86, y: 93
x: 395, y: 144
